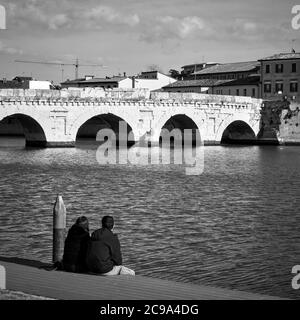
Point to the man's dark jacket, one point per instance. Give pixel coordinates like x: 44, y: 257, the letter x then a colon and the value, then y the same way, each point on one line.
x: 104, y: 251
x: 75, y: 250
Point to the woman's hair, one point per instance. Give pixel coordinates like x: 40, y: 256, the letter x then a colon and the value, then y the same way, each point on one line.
x: 108, y: 222
x: 83, y: 222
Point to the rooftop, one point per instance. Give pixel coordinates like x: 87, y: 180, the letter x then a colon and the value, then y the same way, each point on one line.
x: 22, y: 78
x: 193, y: 64
x: 283, y: 56
x: 143, y: 74
x: 95, y: 80
x: 252, y: 80
x: 196, y: 83
x: 199, y: 64
x: 230, y: 67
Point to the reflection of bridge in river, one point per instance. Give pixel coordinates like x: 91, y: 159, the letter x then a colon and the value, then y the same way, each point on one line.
x: 46, y: 122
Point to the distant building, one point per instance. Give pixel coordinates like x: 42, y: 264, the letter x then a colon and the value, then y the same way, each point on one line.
x: 24, y: 83
x: 152, y: 80
x: 239, y: 79
x: 240, y: 87
x: 42, y: 85
x: 249, y: 87
x: 229, y: 71
x: 106, y: 83
x: 199, y: 86
x: 280, y: 76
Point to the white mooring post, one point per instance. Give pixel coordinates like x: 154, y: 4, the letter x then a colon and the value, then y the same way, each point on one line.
x: 59, y: 229
x: 2, y: 278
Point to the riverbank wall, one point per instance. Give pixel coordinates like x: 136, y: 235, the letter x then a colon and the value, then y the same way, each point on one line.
x: 280, y: 123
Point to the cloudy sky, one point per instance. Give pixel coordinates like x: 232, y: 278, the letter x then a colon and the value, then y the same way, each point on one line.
x: 131, y: 35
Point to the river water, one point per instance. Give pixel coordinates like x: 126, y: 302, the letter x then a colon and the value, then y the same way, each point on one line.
x: 236, y: 226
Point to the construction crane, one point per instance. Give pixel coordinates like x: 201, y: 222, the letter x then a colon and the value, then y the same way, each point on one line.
x: 62, y: 64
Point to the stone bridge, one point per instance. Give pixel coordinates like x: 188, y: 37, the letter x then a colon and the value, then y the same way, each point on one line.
x: 59, y: 122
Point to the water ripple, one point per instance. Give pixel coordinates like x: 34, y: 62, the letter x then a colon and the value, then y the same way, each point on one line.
x: 235, y: 226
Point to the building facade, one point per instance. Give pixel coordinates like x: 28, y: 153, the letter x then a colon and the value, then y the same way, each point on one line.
x: 91, y: 82
x: 25, y: 83
x: 199, y: 86
x: 247, y: 87
x: 236, y: 79
x: 152, y: 80
x: 280, y: 76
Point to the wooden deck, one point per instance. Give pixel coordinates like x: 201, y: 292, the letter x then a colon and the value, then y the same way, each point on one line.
x: 28, y: 276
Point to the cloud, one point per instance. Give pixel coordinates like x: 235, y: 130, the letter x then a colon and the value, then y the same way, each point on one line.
x: 54, y: 15
x: 159, y: 23
x: 59, y: 21
x: 110, y: 15
x: 241, y: 29
x: 169, y: 27
x: 9, y: 50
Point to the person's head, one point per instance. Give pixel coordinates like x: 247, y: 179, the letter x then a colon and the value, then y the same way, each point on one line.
x: 83, y: 222
x: 108, y: 222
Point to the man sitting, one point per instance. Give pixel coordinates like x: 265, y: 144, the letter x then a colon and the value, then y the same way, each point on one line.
x: 104, y: 253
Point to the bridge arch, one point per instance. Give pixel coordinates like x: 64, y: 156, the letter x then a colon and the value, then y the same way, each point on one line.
x: 237, y: 130
x: 87, y: 125
x: 26, y: 125
x: 184, y: 120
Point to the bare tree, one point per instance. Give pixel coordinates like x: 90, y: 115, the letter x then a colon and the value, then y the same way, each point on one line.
x: 154, y: 67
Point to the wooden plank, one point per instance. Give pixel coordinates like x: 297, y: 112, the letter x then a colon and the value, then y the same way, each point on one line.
x: 66, y: 286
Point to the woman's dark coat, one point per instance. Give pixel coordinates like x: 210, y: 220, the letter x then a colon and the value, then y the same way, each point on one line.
x: 75, y: 250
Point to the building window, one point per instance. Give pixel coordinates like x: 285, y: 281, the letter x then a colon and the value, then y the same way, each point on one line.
x: 267, y: 87
x: 229, y: 92
x: 294, y: 67
x: 279, y: 68
x: 253, y: 92
x: 267, y: 68
x: 293, y: 86
x: 279, y: 87
x: 237, y: 92
x: 245, y: 92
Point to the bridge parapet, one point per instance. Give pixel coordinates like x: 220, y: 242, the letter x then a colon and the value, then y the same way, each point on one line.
x: 133, y: 97
x: 147, y: 104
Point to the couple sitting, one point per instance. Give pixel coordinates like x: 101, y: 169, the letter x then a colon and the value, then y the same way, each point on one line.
x: 100, y: 253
